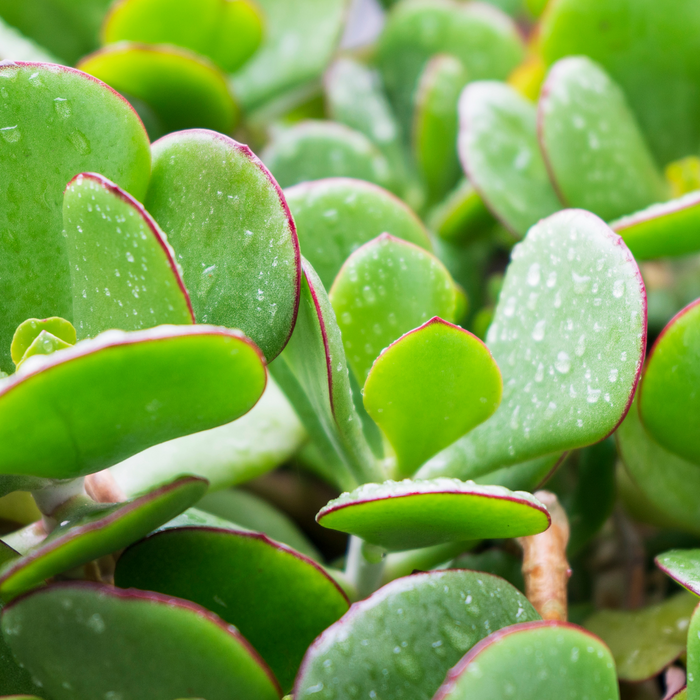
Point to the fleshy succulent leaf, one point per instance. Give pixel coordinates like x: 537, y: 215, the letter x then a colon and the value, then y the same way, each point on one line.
x: 409, y: 514
x: 575, y: 665
x: 90, y: 406
x: 235, y: 238
x: 278, y: 599
x: 336, y: 216
x: 140, y: 644
x: 500, y: 154
x: 28, y: 331
x: 683, y: 566
x: 184, y: 89
x: 122, y: 267
x: 62, y: 122
x: 386, y: 288
x: 406, y: 636
x: 447, y: 372
x: 594, y: 149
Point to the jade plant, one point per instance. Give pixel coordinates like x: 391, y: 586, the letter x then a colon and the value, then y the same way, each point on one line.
x: 403, y: 408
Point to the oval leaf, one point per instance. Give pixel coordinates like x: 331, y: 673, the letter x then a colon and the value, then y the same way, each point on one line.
x: 107, y: 230
x: 399, y: 515
x: 140, y: 644
x: 27, y: 333
x: 90, y: 406
x: 235, y: 238
x: 404, y: 638
x: 447, y: 372
x: 683, y: 566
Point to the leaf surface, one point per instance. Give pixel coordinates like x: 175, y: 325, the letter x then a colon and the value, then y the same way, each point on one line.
x: 683, y: 566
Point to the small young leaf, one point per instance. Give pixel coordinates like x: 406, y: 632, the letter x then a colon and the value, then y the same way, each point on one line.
x: 535, y: 660
x: 404, y: 638
x: 227, y: 32
x: 27, y: 333
x: 385, y: 289
x: 234, y: 236
x: 123, y: 269
x: 139, y: 643
x: 88, y: 531
x: 184, y: 89
x: 445, y: 372
x: 669, y: 404
x: 644, y: 642
x: 409, y: 514
x: 92, y: 405
x: 315, y: 149
x: 500, y: 154
x: 593, y: 147
x: 278, y: 599
x: 336, y: 216
x: 683, y: 566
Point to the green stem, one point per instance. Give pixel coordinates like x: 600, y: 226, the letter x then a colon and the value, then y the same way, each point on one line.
x: 50, y: 498
x: 365, y: 566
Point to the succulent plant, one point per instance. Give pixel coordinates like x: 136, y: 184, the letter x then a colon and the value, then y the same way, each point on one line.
x: 430, y: 297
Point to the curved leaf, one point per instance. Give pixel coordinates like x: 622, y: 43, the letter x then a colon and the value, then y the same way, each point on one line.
x: 28, y: 332
x: 683, y: 566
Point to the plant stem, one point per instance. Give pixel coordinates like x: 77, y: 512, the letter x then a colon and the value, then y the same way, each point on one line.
x: 52, y: 497
x: 365, y: 566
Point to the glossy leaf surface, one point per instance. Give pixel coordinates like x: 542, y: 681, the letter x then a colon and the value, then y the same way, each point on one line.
x: 683, y: 566
x: 234, y: 236
x: 482, y: 38
x: 568, y: 335
x: 299, y: 40
x: 644, y: 642
x: 666, y: 480
x: 385, y: 289
x: 316, y: 149
x: 336, y: 216
x: 28, y: 331
x: 139, y: 644
x: 87, y: 531
x: 662, y: 230
x: 56, y: 122
x: 669, y: 405
x: 447, y: 372
x: 264, y: 438
x: 499, y: 152
x: 594, y: 149
x: 535, y: 660
x: 313, y: 374
x: 405, y: 637
x: 228, y: 32
x: 122, y: 267
x: 278, y: 599
x: 411, y: 514
x: 90, y: 406
x: 184, y: 89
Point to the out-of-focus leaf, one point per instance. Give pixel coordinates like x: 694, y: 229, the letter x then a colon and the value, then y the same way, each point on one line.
x: 683, y: 566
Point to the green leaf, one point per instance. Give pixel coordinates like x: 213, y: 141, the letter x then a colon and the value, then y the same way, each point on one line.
x: 669, y: 405
x: 527, y: 476
x: 409, y: 514
x: 569, y: 335
x: 313, y: 374
x: 56, y: 122
x: 386, y: 288
x: 139, y: 643
x: 535, y: 660
x: 405, y: 637
x: 235, y: 238
x: 316, y: 149
x: 184, y: 89
x: 90, y: 406
x: 87, y: 531
x: 485, y: 40
x: 13, y: 678
x: 683, y: 566
x: 278, y: 599
x: 435, y: 124
x: 501, y: 156
x: 336, y: 216
x: 228, y: 33
x: 594, y: 149
x: 445, y: 372
x: 667, y: 481
x: 299, y: 40
x: 264, y: 438
x: 644, y: 642
x: 14, y: 46
x: 634, y: 41
x: 662, y: 230
x: 28, y: 331
x: 123, y: 269
x: 44, y: 344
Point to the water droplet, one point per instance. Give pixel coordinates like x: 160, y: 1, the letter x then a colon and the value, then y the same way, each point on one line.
x: 11, y: 134
x: 509, y: 308
x: 593, y: 395
x: 96, y: 623
x: 533, y: 275
x: 62, y: 107
x: 612, y: 375
x: 563, y: 363
x: 538, y: 331
x: 618, y: 288
x: 129, y: 256
x: 581, y: 283
x: 580, y: 347
x: 80, y: 142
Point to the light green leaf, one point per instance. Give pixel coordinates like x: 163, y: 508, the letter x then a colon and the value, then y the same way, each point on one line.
x: 683, y: 566
x: 28, y: 331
